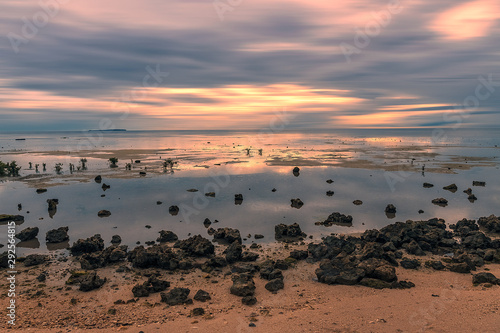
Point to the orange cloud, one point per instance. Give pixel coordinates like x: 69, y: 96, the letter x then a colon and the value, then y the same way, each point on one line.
x: 469, y: 20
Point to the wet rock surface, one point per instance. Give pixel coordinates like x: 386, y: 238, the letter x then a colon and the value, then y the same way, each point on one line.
x: 337, y: 219
x: 288, y: 233
x: 296, y: 203
x: 89, y: 245
x: 227, y: 236
x: 167, y: 236
x: 196, y: 245
x: 58, y: 235
x: 27, y: 234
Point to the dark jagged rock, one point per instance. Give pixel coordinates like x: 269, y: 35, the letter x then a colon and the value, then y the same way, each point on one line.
x: 207, y: 223
x: 91, y: 281
x: 390, y: 209
x: 452, y: 188
x: 227, y: 236
x: 243, y: 285
x: 98, y: 179
x: 299, y: 254
x: 249, y: 256
x: 464, y: 227
x: 490, y: 223
x: 197, y: 312
x: 296, y: 203
x: 160, y: 256
x: 275, y: 285
x: 52, y: 206
x: 485, y: 277
x: 329, y: 181
x: 152, y: 285
x: 210, y: 194
x: 104, y: 213
x: 173, y: 210
x: 330, y: 272
x: 4, y: 260
x: 27, y: 234
x: 296, y: 170
x: 468, y: 191
x: 270, y: 273
x: 440, y: 202
x: 35, y: 259
x: 472, y: 198
x: 478, y: 183
x: 58, y: 235
x: 338, y: 219
x: 196, y: 246
x: 233, y: 252
x: 202, y: 296
x: 116, y: 239
x: 110, y: 255
x: 459, y: 267
x: 244, y: 268
x: 410, y: 263
x: 288, y: 233
x: 428, y: 185
x: 41, y: 190
x: 330, y: 193
x: 89, y: 245
x: 167, y: 236
x: 238, y: 199
x: 435, y: 264
x: 258, y: 236
x: 176, y: 296
x: 357, y: 202
x: 249, y: 300
x: 105, y: 186
x: 413, y: 248
x: 8, y: 218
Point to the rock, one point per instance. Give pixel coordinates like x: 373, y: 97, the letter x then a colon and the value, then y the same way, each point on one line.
x: 485, y: 277
x: 333, y: 273
x: 152, y: 285
x: 4, y: 260
x: 197, y: 312
x: 296, y: 203
x: 159, y: 202
x: 296, y: 170
x: 207, y: 223
x: 329, y: 181
x: 27, y: 234
x: 58, y: 235
x: 244, y: 268
x: 249, y: 256
x: 35, y: 259
x: 98, y: 179
x: 173, y: 210
x: 472, y: 198
x: 202, y: 296
x: 299, y: 254
x: 192, y: 190
x: 478, y: 183
x: 160, y: 256
x: 89, y: 245
x: 258, y: 236
x: 452, y: 188
x: 288, y: 233
x: 176, y: 296
x: 410, y: 263
x: 420, y: 211
x: 238, y: 199
x: 459, y: 267
x: 249, y: 300
x: 490, y: 223
x: 440, y: 202
x: 338, y: 219
x: 105, y: 186
x: 42, y: 277
x: 413, y: 248
x: 330, y: 193
x: 104, y: 213
x: 357, y: 202
x: 428, y: 185
x: 41, y: 190
x: 8, y: 218
x: 196, y: 246
x: 142, y: 173
x: 435, y: 264
x: 227, y: 235
x: 91, y: 281
x: 391, y: 209
x: 273, y: 190
x: 210, y: 194
x: 167, y: 236
x: 468, y: 191
x: 476, y: 240
x: 275, y: 285
x: 375, y: 283
x: 233, y: 252
x: 243, y: 285
x: 52, y: 209
x: 116, y: 239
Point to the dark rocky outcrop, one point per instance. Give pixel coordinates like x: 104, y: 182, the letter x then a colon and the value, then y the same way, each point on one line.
x: 202, y: 296
x: 243, y: 285
x: 288, y: 233
x: 490, y: 223
x: 152, y: 285
x: 58, y: 235
x: 337, y: 219
x: 196, y: 246
x: 440, y: 202
x: 91, y: 281
x: 428, y: 185
x: 160, y: 256
x: 227, y: 236
x: 173, y: 210
x: 176, y: 296
x: 452, y: 188
x: 104, y: 213
x: 485, y: 277
x: 275, y: 285
x: 35, y: 259
x: 167, y: 236
x: 89, y: 245
x: 478, y: 183
x: 296, y: 203
x: 238, y: 199
x: 234, y: 252
x: 27, y: 234
x: 390, y: 209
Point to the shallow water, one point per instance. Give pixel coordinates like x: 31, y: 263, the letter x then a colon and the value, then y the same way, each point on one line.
x: 132, y: 202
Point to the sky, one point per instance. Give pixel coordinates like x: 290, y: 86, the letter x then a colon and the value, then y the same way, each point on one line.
x: 245, y: 64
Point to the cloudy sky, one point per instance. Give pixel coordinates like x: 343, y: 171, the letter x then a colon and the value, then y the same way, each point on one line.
x: 235, y: 64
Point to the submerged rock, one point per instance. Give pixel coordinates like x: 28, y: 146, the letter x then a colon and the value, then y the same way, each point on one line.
x: 478, y: 183
x: 173, y: 210
x: 8, y: 218
x: 227, y: 235
x: 167, y: 236
x: 428, y: 185
x: 338, y: 219
x: 357, y: 202
x: 238, y: 199
x: 390, y: 208
x: 440, y: 202
x: 296, y: 203
x: 89, y: 245
x: 452, y: 188
x: 104, y: 213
